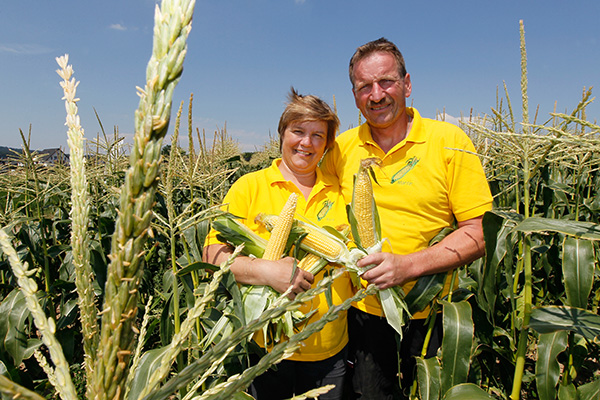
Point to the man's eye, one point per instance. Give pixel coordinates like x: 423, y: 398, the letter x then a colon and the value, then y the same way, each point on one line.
x: 365, y: 89
x: 386, y: 83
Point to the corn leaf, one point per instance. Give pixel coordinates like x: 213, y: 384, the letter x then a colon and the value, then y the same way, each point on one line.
x: 456, y: 343
x: 255, y: 300
x: 424, y: 291
x: 589, y: 391
x: 149, y: 363
x: 578, y: 270
x: 428, y: 375
x: 496, y: 230
x: 547, y: 368
x: 394, y: 307
x: 578, y: 229
x: 467, y: 391
x: 561, y: 318
x: 567, y: 392
x: 235, y: 233
x: 13, y: 314
x: 197, y: 266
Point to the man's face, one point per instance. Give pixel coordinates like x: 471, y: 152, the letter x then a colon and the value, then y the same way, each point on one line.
x: 379, y: 91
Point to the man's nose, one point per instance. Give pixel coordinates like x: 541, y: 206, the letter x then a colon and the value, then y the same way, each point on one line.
x: 377, y: 93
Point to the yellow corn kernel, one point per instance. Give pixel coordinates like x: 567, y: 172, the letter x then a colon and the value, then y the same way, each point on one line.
x: 312, y: 263
x: 316, y: 241
x: 363, y: 205
x: 281, y: 231
x: 321, y: 244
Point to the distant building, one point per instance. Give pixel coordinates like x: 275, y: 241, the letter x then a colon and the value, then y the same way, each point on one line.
x: 49, y: 157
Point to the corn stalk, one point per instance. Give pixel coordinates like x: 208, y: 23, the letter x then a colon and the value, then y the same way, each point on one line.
x: 172, y: 27
x: 527, y: 268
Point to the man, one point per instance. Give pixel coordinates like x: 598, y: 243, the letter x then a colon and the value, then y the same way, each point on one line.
x: 425, y: 182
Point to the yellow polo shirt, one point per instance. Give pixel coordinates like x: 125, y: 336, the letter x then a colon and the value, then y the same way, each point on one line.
x: 267, y: 191
x: 425, y: 182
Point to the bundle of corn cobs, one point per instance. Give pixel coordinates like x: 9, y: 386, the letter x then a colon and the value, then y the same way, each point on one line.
x: 315, y: 247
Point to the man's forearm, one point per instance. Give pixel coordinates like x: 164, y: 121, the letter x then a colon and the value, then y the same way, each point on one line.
x: 464, y: 245
x: 461, y: 247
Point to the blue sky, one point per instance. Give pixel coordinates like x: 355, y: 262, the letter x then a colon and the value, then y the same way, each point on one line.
x: 243, y: 56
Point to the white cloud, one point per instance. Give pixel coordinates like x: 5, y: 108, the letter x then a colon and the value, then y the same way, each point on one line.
x: 299, y: 1
x: 117, y: 27
x: 26, y: 49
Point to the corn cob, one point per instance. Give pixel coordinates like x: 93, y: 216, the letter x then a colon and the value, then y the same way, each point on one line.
x: 281, y: 231
x: 317, y: 241
x: 363, y: 205
x: 312, y: 263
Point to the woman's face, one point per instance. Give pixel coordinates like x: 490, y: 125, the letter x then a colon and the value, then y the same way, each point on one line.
x: 303, y: 145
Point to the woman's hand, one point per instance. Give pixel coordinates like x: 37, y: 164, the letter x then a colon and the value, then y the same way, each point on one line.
x: 278, y: 275
x: 256, y: 271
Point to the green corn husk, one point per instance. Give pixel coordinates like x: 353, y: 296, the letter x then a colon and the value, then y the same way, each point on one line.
x: 232, y: 231
x: 392, y: 299
x: 256, y: 299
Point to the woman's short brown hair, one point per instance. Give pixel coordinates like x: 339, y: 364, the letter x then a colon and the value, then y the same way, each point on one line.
x: 308, y: 108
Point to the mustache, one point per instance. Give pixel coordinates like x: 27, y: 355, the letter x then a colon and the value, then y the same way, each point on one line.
x: 382, y: 102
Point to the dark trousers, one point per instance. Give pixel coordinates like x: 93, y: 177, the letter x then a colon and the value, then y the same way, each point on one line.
x: 292, y: 378
x: 374, y: 356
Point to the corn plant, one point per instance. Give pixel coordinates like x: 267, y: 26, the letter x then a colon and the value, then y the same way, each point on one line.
x: 528, y: 321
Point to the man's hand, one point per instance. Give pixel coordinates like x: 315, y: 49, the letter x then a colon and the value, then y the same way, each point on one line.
x: 461, y: 247
x: 389, y: 269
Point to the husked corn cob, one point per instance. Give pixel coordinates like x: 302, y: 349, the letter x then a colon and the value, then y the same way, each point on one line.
x: 363, y: 204
x: 281, y: 231
x: 317, y: 241
x: 312, y: 263
x: 320, y: 243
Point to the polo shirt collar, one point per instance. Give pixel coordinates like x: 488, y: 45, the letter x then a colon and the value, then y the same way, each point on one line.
x: 275, y: 176
x: 416, y: 134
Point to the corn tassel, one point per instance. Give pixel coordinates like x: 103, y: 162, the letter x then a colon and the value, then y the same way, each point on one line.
x: 281, y: 231
x: 363, y: 205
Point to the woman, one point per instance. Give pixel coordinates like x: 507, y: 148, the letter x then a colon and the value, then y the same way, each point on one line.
x: 306, y: 129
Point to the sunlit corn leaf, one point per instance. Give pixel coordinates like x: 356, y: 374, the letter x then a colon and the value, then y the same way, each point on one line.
x: 456, y: 343
x: 557, y: 318
x: 467, y: 391
x: 255, y: 300
x: 222, y: 328
x: 567, y: 392
x: 242, y: 396
x: 149, y: 363
x: 13, y: 314
x: 197, y: 266
x: 234, y: 232
x: 428, y: 375
x: 314, y: 393
x: 190, y: 235
x: 578, y: 270
x: 578, y: 229
x: 547, y: 368
x: 589, y: 391
x: 394, y: 307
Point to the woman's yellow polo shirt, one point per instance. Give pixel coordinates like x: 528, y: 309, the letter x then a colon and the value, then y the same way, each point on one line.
x: 266, y: 191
